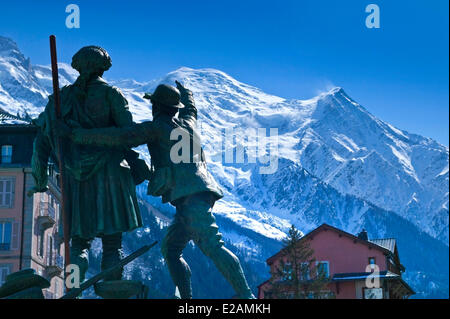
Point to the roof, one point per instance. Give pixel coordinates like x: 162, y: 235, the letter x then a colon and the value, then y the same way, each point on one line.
x: 8, y: 118
x: 14, y: 127
x: 263, y: 283
x: 363, y: 275
x: 388, y: 243
x: 341, y: 232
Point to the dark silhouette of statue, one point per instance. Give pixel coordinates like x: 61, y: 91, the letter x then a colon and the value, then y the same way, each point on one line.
x: 185, y: 183
x: 101, y: 195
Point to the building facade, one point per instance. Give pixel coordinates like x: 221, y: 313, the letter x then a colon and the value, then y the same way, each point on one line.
x: 356, y: 267
x: 30, y: 227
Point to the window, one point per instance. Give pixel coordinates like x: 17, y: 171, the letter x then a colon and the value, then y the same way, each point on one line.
x: 7, y: 192
x: 6, y: 154
x: 373, y: 293
x: 5, y: 235
x: 323, y: 269
x: 50, y: 260
x: 50, y: 170
x: 287, y: 272
x: 305, y: 271
x: 4, y: 271
x: 41, y: 244
x: 58, y: 212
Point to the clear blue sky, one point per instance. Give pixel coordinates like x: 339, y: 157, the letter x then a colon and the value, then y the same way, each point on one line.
x: 293, y: 49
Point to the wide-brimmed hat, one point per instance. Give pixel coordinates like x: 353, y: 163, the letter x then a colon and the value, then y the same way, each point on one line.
x: 165, y: 95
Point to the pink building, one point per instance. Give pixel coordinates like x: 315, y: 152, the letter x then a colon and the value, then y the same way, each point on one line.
x: 30, y: 232
x: 357, y: 267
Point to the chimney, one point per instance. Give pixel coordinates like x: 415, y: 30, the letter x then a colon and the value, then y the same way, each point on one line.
x: 363, y: 235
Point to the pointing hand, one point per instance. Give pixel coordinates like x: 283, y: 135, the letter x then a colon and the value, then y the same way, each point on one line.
x: 180, y: 87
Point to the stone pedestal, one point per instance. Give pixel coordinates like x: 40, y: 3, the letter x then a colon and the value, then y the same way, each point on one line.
x: 29, y: 293
x: 24, y: 284
x: 120, y: 289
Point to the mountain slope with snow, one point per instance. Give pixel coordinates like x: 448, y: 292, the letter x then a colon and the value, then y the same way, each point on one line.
x: 336, y: 140
x: 24, y: 88
x: 336, y: 163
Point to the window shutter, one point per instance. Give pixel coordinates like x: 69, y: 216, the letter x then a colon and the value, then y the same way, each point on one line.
x: 2, y: 192
x: 13, y: 192
x: 4, y: 271
x: 7, y: 189
x: 7, y: 199
x: 15, y: 236
x: 39, y: 240
x: 7, y: 233
x: 48, y: 250
x: 7, y: 195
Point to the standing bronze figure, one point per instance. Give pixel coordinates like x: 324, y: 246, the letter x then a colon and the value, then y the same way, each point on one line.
x: 101, y: 195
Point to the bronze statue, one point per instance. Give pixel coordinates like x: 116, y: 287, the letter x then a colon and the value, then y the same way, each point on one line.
x: 101, y: 196
x: 186, y: 184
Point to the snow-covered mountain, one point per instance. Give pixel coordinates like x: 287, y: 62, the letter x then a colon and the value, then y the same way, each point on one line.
x: 336, y: 163
x: 24, y: 88
x: 330, y: 136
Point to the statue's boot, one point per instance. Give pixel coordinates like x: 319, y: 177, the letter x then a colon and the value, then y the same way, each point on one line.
x: 179, y: 271
x: 79, y: 255
x: 112, y: 254
x: 226, y: 262
x: 229, y: 266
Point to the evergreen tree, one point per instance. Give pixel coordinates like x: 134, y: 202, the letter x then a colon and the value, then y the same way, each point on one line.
x: 297, y: 275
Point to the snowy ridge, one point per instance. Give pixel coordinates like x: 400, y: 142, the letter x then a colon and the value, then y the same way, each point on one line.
x: 24, y: 88
x: 331, y: 136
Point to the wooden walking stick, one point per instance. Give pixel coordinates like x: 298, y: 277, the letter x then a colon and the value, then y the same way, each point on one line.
x: 60, y: 153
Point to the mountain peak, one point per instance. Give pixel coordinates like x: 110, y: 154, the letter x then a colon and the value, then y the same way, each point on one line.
x: 336, y: 90
x: 337, y: 98
x: 7, y: 44
x: 10, y: 50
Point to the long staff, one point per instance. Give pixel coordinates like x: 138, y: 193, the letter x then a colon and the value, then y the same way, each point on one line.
x: 57, y: 101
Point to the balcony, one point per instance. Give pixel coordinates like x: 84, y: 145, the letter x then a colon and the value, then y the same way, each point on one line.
x: 54, y: 266
x: 46, y: 217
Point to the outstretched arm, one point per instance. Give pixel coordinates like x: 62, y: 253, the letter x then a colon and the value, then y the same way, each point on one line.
x: 189, y: 112
x: 130, y: 136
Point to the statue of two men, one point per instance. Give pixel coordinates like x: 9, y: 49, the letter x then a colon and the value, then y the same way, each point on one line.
x: 99, y: 131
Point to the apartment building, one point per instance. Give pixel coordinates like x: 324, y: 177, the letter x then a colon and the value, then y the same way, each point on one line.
x: 30, y: 227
